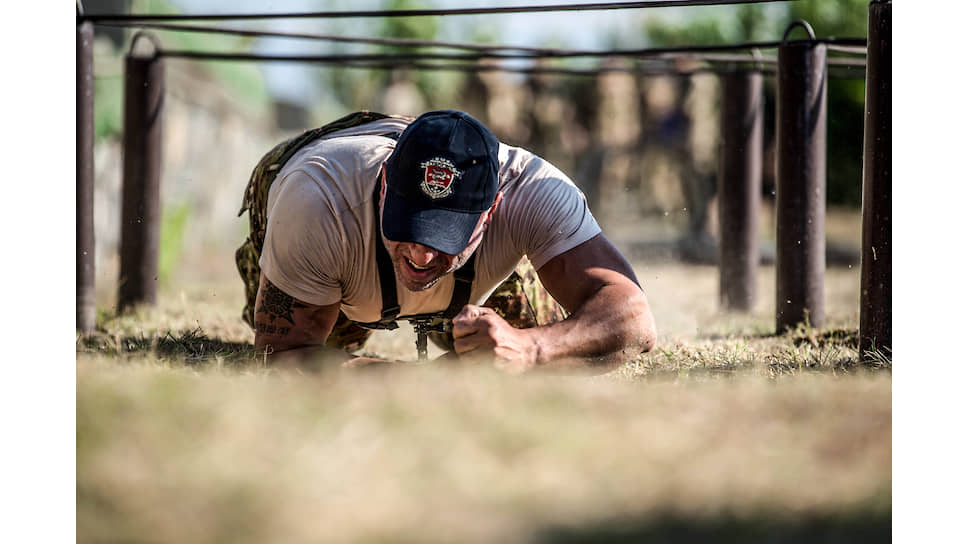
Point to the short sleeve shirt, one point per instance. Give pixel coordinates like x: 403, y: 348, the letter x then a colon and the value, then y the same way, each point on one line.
x: 321, y: 236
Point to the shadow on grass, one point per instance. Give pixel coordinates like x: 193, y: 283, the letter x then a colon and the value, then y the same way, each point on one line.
x: 865, y: 527
x: 796, y: 352
x: 834, y: 337
x: 831, y: 337
x: 192, y: 347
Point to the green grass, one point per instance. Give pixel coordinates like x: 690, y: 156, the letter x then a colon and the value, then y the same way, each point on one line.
x: 724, y: 432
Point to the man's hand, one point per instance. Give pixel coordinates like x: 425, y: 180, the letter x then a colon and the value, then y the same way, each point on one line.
x: 481, y: 335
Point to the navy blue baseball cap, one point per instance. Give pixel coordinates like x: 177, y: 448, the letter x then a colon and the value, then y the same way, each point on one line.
x: 441, y: 177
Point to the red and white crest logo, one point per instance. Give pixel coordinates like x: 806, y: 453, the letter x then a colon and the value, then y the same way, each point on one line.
x: 439, y: 177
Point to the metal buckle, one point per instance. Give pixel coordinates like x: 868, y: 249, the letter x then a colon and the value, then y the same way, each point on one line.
x: 424, y: 325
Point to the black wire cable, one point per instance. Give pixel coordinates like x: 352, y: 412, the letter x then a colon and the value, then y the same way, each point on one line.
x: 422, y: 12
x: 491, y: 55
x: 402, y: 42
x: 764, y: 66
x: 835, y: 71
x: 839, y: 67
x: 542, y: 70
x: 854, y: 45
x: 402, y: 61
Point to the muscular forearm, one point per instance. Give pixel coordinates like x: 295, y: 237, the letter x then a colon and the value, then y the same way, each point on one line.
x: 611, y: 327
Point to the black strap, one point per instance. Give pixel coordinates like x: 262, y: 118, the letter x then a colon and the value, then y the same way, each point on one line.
x: 463, y: 278
x: 388, y: 280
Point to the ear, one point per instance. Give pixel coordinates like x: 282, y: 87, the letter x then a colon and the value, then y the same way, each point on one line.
x: 383, y: 181
x: 383, y: 192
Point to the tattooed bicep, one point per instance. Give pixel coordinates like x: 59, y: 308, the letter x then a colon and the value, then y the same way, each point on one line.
x: 275, y: 303
x: 283, y: 322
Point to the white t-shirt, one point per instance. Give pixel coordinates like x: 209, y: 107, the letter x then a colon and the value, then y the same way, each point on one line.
x: 322, y: 226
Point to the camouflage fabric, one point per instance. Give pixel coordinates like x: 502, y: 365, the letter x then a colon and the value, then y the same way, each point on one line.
x: 523, y: 302
x: 520, y: 299
x: 346, y: 334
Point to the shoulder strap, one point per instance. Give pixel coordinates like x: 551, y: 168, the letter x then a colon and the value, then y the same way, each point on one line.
x: 463, y: 278
x: 388, y: 280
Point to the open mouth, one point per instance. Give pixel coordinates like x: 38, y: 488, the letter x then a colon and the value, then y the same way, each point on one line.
x: 416, y: 277
x: 419, y: 268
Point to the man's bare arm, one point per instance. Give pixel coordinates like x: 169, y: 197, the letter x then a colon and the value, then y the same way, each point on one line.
x: 610, y: 319
x: 285, y: 324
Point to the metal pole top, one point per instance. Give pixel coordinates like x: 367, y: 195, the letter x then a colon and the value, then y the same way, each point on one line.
x: 806, y: 26
x: 155, y: 45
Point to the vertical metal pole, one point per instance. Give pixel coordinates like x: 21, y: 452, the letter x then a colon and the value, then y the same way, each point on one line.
x: 140, y: 195
x: 86, y: 303
x: 875, y: 276
x: 740, y: 179
x: 801, y: 128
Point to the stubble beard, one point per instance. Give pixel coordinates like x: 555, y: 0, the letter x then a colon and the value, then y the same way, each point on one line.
x: 402, y: 269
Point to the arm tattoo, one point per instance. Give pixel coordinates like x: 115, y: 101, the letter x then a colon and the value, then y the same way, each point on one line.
x: 276, y: 303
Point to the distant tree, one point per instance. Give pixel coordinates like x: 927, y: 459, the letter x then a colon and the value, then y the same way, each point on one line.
x: 411, y: 28
x: 359, y: 88
x: 709, y: 26
x: 415, y: 28
x: 840, y: 18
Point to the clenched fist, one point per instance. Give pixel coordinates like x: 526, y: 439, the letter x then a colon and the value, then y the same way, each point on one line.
x: 480, y: 335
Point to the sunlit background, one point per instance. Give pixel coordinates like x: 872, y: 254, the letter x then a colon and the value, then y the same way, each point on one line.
x: 643, y: 148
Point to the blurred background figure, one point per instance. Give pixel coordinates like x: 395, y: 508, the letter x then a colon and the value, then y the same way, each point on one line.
x: 402, y: 96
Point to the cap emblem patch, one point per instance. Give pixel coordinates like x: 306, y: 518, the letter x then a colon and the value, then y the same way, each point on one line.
x: 439, y: 177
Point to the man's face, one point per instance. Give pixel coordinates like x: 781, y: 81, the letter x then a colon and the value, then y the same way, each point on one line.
x: 419, y: 267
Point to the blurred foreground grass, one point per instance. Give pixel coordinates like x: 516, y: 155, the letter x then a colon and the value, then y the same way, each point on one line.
x: 725, y: 432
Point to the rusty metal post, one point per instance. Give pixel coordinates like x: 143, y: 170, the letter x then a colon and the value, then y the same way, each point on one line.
x: 801, y: 180
x: 740, y: 179
x: 140, y: 194
x: 86, y: 303
x: 875, y: 271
